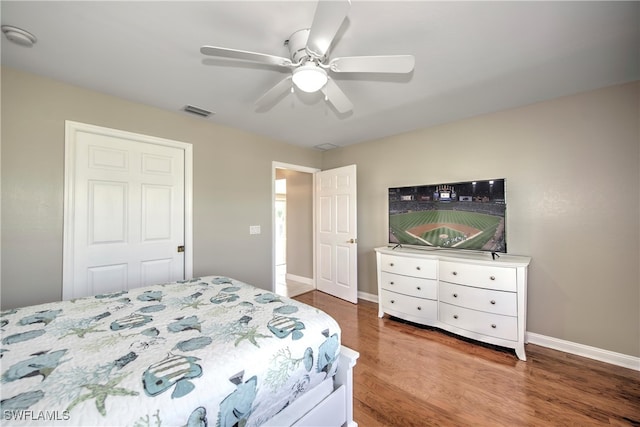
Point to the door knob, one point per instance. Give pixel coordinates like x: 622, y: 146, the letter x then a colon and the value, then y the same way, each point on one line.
x: 352, y: 241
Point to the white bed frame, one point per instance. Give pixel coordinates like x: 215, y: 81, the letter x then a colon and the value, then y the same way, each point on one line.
x: 328, y: 405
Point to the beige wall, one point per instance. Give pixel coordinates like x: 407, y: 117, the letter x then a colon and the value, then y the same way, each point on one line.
x: 232, y: 183
x: 573, y: 203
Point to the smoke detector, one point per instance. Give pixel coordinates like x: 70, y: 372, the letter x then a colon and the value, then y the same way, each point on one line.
x: 19, y: 36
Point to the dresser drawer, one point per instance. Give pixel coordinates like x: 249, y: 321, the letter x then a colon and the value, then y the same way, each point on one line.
x: 481, y: 276
x: 494, y: 325
x: 498, y: 302
x: 417, y: 287
x: 418, y: 307
x: 408, y: 266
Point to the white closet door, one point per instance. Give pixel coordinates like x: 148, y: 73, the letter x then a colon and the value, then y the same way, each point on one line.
x: 127, y: 203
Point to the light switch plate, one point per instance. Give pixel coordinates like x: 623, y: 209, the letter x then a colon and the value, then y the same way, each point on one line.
x: 254, y: 229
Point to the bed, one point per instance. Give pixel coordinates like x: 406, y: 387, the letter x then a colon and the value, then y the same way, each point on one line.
x: 208, y: 351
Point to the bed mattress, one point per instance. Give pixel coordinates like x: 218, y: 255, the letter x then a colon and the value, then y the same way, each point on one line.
x: 208, y: 351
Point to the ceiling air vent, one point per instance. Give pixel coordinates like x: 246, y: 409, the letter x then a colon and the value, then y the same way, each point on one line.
x: 325, y: 147
x: 197, y: 111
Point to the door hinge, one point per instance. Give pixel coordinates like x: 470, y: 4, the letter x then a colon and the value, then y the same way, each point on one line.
x: 180, y: 248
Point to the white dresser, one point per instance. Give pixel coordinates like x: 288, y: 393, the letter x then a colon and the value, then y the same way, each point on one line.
x: 467, y: 293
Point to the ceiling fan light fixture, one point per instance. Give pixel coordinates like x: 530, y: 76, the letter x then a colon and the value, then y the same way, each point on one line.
x: 309, y: 77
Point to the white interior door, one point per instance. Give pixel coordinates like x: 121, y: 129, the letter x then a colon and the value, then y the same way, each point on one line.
x: 336, y: 233
x: 126, y: 212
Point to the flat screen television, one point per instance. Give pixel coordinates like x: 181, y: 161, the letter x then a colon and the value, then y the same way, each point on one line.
x: 460, y: 215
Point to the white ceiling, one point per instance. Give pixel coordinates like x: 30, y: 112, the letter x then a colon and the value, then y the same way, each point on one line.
x: 471, y: 58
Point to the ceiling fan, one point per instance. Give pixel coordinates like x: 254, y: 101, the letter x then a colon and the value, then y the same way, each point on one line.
x: 309, y: 61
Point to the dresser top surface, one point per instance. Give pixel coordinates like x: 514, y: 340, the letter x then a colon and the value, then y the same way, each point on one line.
x: 504, y: 260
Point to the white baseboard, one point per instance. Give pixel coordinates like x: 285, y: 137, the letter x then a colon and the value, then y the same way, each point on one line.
x: 595, y: 353
x: 300, y: 279
x: 368, y: 297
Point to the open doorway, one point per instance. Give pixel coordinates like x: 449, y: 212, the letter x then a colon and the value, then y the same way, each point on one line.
x: 293, y: 248
x: 280, y: 214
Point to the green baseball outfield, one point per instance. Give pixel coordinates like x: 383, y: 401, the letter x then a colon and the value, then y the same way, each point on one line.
x: 454, y: 229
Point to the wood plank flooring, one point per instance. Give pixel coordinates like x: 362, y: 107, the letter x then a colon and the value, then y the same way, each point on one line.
x: 415, y: 376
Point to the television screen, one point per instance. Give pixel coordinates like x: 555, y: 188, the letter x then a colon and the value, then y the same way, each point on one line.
x: 462, y: 215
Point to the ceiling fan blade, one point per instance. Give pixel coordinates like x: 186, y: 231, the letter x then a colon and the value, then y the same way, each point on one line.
x: 326, y: 22
x: 336, y: 97
x: 373, y: 64
x: 263, y: 58
x: 273, y: 94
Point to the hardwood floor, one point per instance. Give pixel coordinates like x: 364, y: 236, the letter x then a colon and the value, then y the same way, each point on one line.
x: 413, y: 376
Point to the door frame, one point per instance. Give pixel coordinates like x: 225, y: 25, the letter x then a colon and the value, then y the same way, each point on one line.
x: 280, y: 165
x: 71, y: 128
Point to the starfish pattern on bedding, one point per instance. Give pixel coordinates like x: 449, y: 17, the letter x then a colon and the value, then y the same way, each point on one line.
x: 195, y: 304
x: 100, y: 392
x: 250, y: 334
x: 81, y: 332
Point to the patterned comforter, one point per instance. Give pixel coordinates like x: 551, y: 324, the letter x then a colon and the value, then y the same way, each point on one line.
x: 209, y: 351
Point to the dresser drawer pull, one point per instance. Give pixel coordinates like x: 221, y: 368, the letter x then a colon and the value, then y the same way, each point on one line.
x: 418, y: 268
x: 492, y: 277
x: 391, y: 264
x: 455, y: 273
x: 418, y: 288
x: 419, y: 308
x: 493, y: 301
x: 393, y: 301
x: 493, y: 325
x: 391, y: 283
x: 455, y: 316
x: 455, y: 295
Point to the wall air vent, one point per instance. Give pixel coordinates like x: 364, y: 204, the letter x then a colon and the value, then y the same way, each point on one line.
x: 197, y: 111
